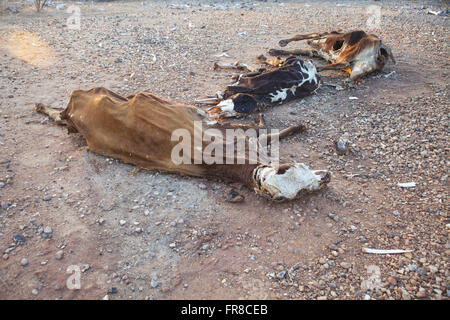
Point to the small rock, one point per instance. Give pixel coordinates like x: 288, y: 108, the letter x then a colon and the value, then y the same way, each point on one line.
x: 281, y: 275
x: 45, y: 235
x: 422, y: 272
x: 61, y: 6
x: 421, y: 293
x: 59, y: 255
x: 13, y: 10
x: 122, y: 222
x: 47, y: 198
x: 35, y: 292
x: 112, y: 290
x: 234, y: 197
x: 85, y: 267
x: 18, y: 238
x: 202, y: 186
x: 412, y: 267
x: 154, y: 283
x: 342, y: 146
x: 333, y: 217
x: 24, y: 262
x: 48, y: 230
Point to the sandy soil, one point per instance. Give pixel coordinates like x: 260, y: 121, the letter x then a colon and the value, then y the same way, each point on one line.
x: 192, y: 243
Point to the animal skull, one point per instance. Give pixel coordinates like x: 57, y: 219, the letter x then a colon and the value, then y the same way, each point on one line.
x: 288, y: 181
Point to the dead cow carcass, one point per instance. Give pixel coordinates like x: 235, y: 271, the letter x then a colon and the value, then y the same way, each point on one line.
x: 356, y: 52
x: 287, y: 80
x: 139, y: 129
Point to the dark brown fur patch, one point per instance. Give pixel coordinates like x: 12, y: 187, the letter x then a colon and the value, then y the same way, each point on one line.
x: 355, y: 37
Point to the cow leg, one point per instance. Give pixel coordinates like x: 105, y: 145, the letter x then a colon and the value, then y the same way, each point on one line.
x: 134, y: 171
x: 52, y: 113
x: 236, y: 66
x: 334, y: 66
x: 250, y: 74
x: 208, y: 101
x: 276, y: 62
x: 239, y: 76
x: 259, y: 120
x: 299, y: 37
x: 295, y: 52
x: 285, y: 132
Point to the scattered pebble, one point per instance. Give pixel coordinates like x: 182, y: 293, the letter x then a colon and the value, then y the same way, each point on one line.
x: 59, y: 255
x: 18, y: 238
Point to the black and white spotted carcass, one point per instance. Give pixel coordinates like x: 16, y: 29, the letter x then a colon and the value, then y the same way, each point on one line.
x: 291, y: 79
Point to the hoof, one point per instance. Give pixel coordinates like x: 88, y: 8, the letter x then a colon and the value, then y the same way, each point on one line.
x: 283, y: 43
x: 234, y: 197
x: 39, y: 107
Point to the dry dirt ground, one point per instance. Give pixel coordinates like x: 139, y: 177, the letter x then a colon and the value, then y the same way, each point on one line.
x: 192, y: 244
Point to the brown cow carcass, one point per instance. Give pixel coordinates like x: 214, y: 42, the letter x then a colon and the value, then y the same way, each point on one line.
x: 356, y: 52
x: 145, y: 130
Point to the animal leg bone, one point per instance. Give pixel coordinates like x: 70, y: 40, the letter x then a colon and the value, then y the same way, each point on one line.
x: 334, y: 66
x: 285, y: 132
x: 275, y: 62
x: 208, y: 101
x: 235, y: 66
x: 295, y: 52
x: 300, y: 37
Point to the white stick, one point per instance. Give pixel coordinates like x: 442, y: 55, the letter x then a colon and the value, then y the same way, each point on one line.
x: 381, y: 251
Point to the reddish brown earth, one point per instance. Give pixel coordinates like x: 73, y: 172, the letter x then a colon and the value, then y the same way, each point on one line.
x: 310, y: 248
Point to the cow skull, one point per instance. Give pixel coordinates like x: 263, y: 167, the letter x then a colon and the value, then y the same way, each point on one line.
x: 288, y: 181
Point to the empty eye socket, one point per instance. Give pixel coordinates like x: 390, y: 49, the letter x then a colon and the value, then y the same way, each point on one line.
x: 383, y: 52
x: 338, y: 44
x: 283, y: 168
